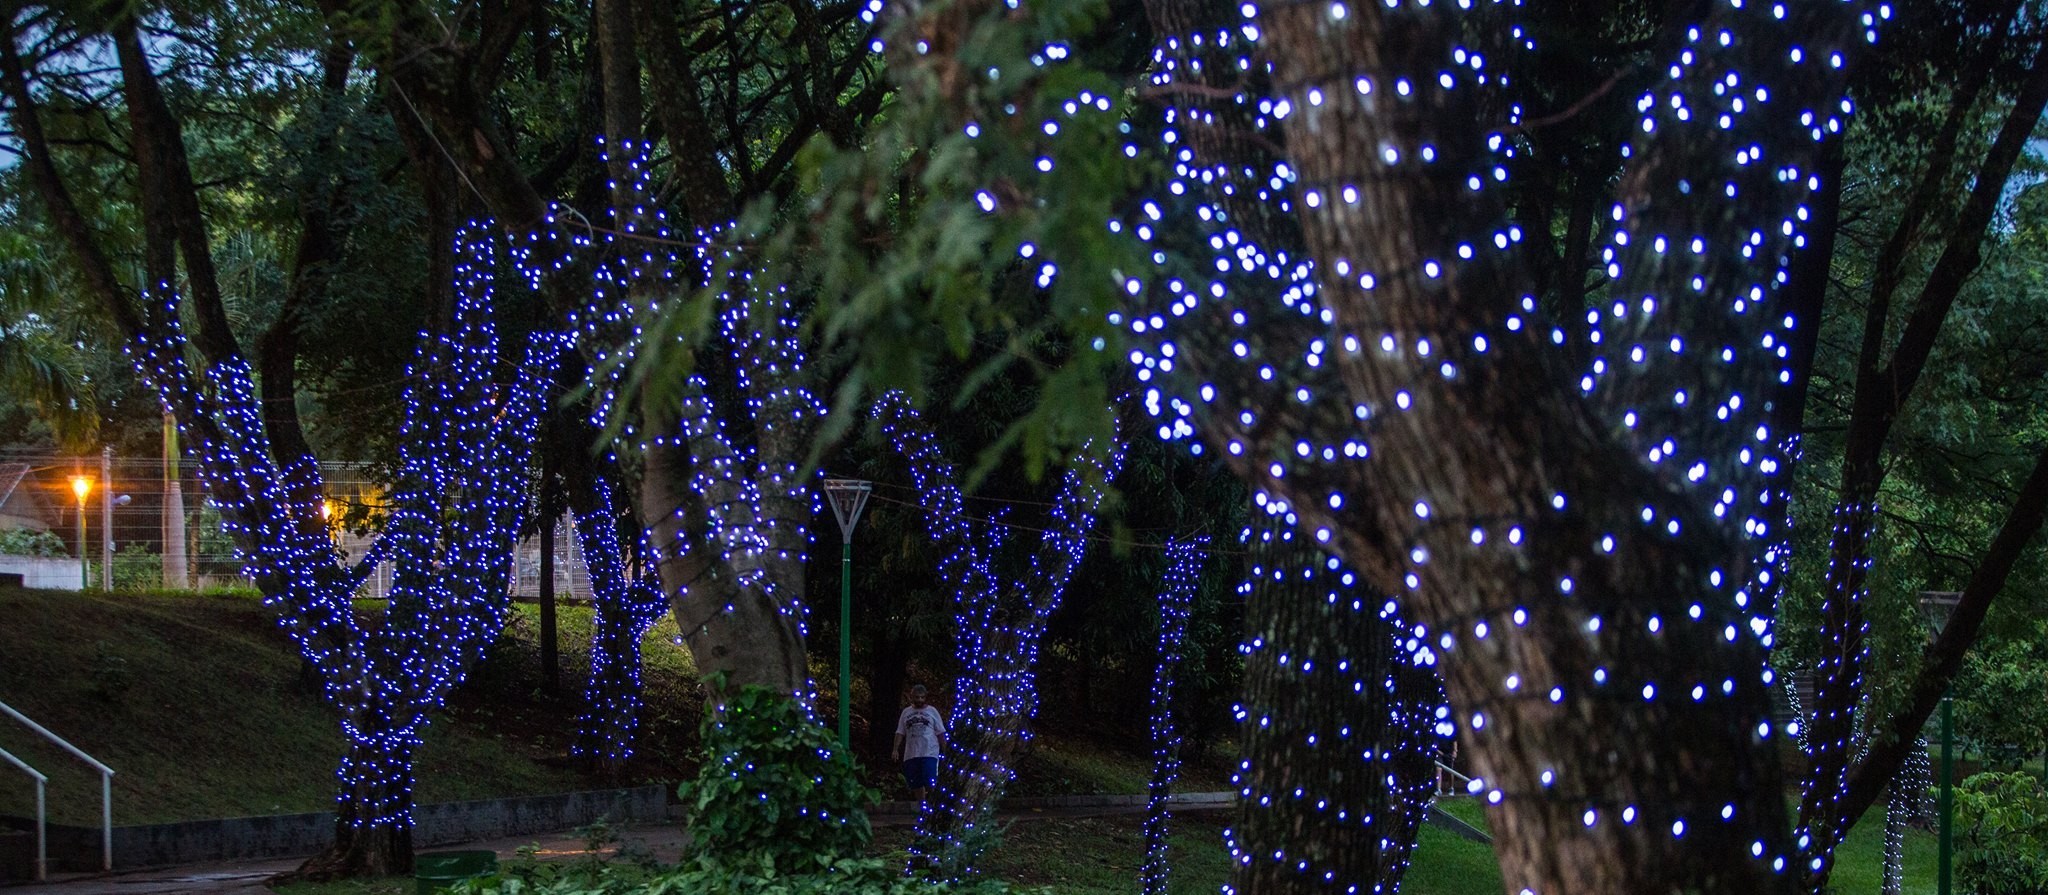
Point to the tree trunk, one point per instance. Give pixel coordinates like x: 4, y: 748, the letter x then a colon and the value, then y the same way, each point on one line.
x: 373, y: 813
x: 622, y: 609
x: 1184, y: 560
x: 990, y: 730
x: 1336, y: 737
x: 611, y: 722
x: 1585, y: 600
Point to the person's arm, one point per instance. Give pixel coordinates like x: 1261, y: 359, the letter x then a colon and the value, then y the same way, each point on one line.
x: 897, y: 753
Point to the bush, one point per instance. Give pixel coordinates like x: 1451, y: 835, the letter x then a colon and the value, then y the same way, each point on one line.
x: 774, y: 784
x: 846, y: 876
x: 777, y: 809
x: 28, y: 542
x: 2002, y: 834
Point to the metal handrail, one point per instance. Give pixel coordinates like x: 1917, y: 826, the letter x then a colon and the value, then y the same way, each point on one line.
x: 1442, y: 769
x: 106, y: 783
x: 42, y: 835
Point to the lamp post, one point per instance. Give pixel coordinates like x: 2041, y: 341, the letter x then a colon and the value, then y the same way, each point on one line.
x: 81, y: 485
x: 107, y: 518
x: 1936, y: 606
x: 847, y: 497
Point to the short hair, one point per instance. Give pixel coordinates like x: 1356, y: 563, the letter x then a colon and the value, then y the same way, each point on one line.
x: 917, y: 689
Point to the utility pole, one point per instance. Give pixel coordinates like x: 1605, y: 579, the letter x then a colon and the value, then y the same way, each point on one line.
x: 550, y: 653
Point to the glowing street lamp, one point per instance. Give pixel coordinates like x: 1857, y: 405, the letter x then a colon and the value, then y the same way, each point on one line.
x: 81, y: 485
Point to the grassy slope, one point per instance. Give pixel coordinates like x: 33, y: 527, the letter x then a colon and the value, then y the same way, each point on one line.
x: 213, y: 723
x: 1447, y: 865
x: 212, y: 720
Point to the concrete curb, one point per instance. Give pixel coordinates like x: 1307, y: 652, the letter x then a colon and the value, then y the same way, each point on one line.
x: 1456, y: 825
x: 282, y: 835
x: 1195, y: 800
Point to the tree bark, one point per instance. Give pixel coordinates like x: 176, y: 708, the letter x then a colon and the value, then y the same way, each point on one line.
x: 1609, y: 693
x: 373, y: 815
x: 1338, y: 730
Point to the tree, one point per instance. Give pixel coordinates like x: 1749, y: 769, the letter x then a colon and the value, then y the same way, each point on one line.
x: 1000, y: 612
x: 1579, y: 516
x: 1184, y: 559
x: 35, y: 361
x: 463, y: 441
x: 1860, y: 741
x: 733, y: 101
x: 624, y: 606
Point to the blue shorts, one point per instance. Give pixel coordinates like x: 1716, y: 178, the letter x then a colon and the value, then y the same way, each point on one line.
x: 919, y: 773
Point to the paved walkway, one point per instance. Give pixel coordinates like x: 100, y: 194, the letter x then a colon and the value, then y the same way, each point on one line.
x: 664, y: 841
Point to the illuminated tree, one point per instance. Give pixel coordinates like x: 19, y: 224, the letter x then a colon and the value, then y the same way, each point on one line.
x: 1936, y: 233
x: 999, y: 615
x: 461, y: 466
x: 1339, y: 308
x: 1342, y: 721
x: 1184, y: 559
x: 624, y: 606
x: 733, y: 101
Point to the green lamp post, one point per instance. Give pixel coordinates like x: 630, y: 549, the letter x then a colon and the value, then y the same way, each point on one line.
x: 847, y: 497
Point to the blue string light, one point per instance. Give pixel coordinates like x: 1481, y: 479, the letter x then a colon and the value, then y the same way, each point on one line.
x: 1185, y: 557
x: 997, y: 621
x: 623, y: 608
x: 455, y: 508
x: 1321, y: 377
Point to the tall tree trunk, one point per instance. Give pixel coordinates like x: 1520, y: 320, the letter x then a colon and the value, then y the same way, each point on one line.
x: 1588, y: 606
x: 1184, y: 560
x: 550, y: 639
x: 373, y: 813
x: 1337, y: 737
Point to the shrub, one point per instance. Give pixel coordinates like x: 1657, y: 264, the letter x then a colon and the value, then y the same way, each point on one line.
x: 777, y: 809
x: 846, y: 876
x: 28, y: 542
x: 2002, y: 834
x: 775, y: 784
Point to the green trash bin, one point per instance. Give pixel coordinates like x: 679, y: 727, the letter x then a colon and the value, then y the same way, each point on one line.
x: 435, y: 871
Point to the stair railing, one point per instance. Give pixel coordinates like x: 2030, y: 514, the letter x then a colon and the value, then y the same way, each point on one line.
x: 42, y: 784
x: 106, y: 788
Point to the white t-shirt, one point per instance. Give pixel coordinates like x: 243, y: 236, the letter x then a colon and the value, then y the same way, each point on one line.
x: 920, y: 729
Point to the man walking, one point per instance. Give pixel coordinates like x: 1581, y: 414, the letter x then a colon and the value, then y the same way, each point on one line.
x: 920, y: 734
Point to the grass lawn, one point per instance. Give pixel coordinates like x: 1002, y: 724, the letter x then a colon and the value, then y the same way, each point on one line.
x: 1448, y: 865
x: 1101, y: 856
x: 196, y: 702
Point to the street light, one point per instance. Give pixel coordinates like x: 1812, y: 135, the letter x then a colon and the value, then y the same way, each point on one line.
x: 81, y: 485
x: 848, y: 497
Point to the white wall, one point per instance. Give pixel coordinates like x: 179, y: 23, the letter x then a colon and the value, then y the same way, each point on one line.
x: 53, y: 572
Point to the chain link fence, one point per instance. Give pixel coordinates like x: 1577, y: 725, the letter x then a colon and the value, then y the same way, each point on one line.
x: 126, y: 523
